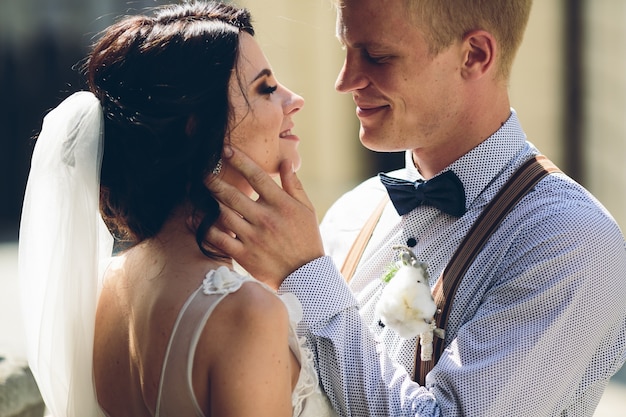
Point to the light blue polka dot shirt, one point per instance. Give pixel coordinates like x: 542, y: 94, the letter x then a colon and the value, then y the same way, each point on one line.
x: 537, y: 327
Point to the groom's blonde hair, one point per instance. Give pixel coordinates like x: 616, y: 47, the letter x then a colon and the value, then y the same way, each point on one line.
x: 446, y: 21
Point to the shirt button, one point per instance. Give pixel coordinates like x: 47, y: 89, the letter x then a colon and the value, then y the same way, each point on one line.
x: 411, y: 242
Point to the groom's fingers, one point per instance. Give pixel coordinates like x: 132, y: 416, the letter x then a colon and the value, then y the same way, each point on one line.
x: 258, y: 179
x: 275, y: 234
x: 233, y: 226
x: 230, y: 197
x: 269, y: 192
x: 292, y: 185
x: 221, y: 235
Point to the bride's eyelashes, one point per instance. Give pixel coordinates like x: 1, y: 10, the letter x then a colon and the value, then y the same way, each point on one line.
x: 266, y: 89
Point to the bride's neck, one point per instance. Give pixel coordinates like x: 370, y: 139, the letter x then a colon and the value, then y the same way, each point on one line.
x: 177, y: 241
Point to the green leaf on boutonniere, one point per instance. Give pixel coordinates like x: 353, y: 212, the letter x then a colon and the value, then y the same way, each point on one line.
x: 391, y: 271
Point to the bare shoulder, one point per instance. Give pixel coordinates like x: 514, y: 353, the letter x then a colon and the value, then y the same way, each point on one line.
x: 251, y: 316
x: 111, y: 288
x: 246, y: 327
x: 245, y: 344
x: 114, y: 273
x: 252, y: 306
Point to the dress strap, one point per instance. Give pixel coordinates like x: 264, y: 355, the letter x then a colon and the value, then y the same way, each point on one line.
x: 176, y: 396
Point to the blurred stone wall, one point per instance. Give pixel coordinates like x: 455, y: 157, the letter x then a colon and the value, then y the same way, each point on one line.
x: 604, y: 104
x: 536, y: 87
x: 42, y: 41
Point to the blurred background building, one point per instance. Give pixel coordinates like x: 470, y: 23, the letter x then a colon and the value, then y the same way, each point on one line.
x: 568, y: 87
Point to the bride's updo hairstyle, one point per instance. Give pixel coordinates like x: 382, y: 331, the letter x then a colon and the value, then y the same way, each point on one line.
x: 163, y: 84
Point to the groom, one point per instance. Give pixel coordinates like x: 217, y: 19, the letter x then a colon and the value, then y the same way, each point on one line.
x: 538, y: 323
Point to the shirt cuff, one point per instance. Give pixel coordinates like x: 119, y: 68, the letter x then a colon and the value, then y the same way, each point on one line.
x: 321, y: 289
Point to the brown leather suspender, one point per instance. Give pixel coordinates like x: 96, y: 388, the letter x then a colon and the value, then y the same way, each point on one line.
x: 356, y: 251
x: 522, y: 181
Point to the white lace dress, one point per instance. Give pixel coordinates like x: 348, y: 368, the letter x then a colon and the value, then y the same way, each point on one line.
x: 176, y: 393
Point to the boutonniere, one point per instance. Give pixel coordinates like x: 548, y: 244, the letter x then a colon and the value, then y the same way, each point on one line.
x: 406, y: 303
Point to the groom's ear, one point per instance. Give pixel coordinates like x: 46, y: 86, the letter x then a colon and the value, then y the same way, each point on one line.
x: 479, y: 55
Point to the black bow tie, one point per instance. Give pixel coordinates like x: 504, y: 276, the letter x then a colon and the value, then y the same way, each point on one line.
x: 444, y: 192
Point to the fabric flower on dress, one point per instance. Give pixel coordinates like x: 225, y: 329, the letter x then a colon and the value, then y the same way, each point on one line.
x: 221, y: 281
x: 406, y: 303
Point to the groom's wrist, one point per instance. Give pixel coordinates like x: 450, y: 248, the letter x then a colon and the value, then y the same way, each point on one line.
x: 321, y: 289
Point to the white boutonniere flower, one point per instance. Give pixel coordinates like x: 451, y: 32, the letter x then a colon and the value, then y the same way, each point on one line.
x: 406, y: 303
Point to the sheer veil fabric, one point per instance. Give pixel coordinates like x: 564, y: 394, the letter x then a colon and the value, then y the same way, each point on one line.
x: 63, y: 243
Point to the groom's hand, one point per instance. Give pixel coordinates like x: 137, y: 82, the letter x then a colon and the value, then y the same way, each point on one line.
x: 272, y: 236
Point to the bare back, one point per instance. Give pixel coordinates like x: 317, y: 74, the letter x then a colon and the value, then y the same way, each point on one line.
x: 137, y: 310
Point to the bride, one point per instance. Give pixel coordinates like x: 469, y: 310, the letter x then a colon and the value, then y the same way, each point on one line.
x: 166, y: 327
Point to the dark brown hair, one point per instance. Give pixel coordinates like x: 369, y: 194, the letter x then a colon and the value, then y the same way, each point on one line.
x: 163, y: 84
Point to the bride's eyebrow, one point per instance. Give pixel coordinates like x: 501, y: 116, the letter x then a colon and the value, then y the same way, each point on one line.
x: 266, y: 72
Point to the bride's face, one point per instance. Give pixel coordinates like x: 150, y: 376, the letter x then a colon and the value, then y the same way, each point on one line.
x: 263, y: 109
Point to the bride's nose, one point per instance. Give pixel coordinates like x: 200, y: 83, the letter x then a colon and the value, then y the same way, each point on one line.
x: 293, y: 102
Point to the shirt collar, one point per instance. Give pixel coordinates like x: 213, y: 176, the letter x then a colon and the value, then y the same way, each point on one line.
x: 478, y: 168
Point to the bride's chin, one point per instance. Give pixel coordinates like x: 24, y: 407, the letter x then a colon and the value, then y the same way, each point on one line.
x: 296, y: 160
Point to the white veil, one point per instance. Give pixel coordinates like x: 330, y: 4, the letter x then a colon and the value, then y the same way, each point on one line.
x: 62, y: 239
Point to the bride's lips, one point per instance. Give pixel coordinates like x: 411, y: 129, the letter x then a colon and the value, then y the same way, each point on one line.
x: 288, y: 135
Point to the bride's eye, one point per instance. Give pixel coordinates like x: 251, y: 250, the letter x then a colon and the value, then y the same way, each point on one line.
x: 267, y: 89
